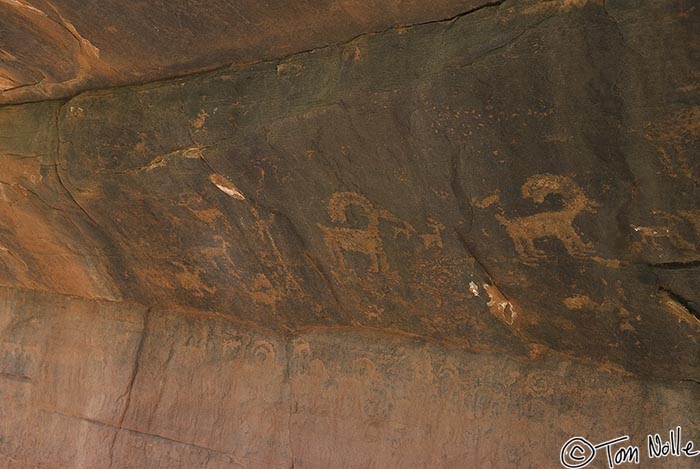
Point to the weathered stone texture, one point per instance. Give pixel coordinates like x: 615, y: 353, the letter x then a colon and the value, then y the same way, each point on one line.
x: 100, y: 384
x: 454, y: 244
x: 52, y: 49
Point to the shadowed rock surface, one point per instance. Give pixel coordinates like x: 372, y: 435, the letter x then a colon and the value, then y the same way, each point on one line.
x: 453, y: 244
x: 52, y: 49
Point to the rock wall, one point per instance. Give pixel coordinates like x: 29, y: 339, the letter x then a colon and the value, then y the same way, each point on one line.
x: 454, y: 244
x: 89, y: 383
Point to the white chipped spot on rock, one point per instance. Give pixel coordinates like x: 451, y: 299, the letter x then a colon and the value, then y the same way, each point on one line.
x: 226, y: 186
x: 499, y: 304
x: 77, y: 111
x: 474, y: 288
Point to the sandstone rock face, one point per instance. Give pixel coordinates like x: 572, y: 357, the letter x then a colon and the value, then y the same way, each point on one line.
x: 55, y: 48
x: 453, y: 244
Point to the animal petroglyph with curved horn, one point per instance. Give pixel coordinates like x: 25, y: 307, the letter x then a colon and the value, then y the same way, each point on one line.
x: 556, y: 224
x: 368, y: 241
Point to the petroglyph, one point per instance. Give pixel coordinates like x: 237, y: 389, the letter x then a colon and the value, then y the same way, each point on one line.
x: 672, y: 137
x: 190, y: 279
x: 486, y: 202
x: 262, y: 291
x: 434, y: 238
x: 367, y: 241
x: 201, y: 119
x: 607, y: 306
x: 160, y: 161
x: 263, y: 350
x: 272, y: 256
x: 556, y: 224
x: 652, y: 236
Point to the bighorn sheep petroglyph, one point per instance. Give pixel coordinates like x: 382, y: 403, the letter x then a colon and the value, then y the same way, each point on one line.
x: 556, y: 224
x: 368, y: 241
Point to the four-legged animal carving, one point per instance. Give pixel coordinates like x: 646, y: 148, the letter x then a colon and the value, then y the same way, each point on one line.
x: 524, y: 231
x: 652, y: 236
x: 558, y: 224
x: 368, y: 241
